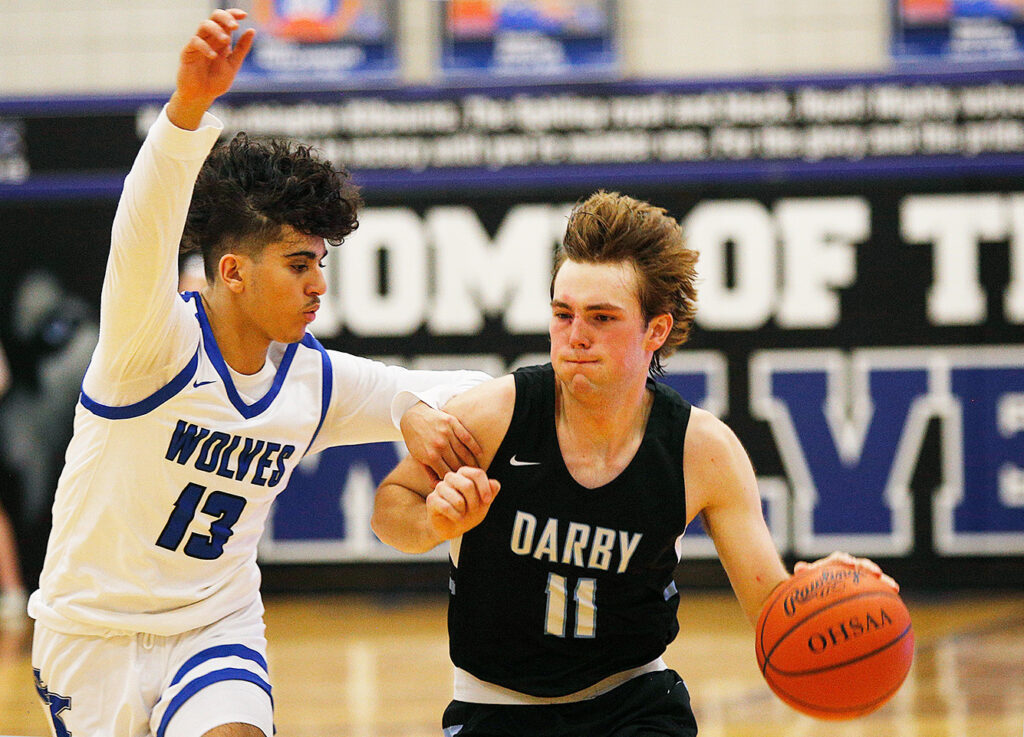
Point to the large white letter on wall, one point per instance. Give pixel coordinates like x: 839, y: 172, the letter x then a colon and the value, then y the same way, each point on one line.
x: 818, y: 237
x: 508, y: 275
x: 955, y: 225
x: 394, y: 235
x: 747, y: 225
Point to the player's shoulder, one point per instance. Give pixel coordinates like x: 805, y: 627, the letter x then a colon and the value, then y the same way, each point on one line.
x: 489, y: 399
x: 708, y: 438
x: 715, y: 465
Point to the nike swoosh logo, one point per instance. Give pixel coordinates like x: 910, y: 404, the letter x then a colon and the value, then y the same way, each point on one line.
x: 203, y: 383
x: 513, y: 461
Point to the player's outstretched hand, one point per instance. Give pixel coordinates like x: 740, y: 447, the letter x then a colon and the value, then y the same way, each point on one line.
x: 438, y: 441
x: 207, y: 66
x: 460, y: 501
x: 845, y: 559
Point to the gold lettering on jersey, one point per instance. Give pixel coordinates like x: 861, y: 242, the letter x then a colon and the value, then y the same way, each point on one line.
x: 575, y: 540
x: 601, y: 550
x: 547, y: 547
x: 573, y: 543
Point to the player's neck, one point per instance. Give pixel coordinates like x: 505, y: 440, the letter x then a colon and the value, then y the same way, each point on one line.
x: 242, y: 348
x: 604, y: 422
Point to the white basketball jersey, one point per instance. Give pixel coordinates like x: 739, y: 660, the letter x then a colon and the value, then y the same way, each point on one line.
x: 162, y: 503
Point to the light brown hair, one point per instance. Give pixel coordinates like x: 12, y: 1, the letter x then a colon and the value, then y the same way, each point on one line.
x: 609, y: 227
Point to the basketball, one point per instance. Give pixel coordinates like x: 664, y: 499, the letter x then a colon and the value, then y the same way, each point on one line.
x: 834, y: 642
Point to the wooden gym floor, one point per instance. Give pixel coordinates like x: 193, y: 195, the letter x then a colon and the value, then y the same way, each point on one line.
x: 359, y: 666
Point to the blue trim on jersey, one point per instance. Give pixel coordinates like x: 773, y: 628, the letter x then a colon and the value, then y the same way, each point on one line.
x: 670, y: 591
x: 148, y: 404
x: 216, y: 676
x: 248, y: 411
x: 328, y: 384
x: 220, y: 651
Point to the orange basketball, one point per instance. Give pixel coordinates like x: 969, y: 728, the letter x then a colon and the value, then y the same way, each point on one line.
x: 834, y: 642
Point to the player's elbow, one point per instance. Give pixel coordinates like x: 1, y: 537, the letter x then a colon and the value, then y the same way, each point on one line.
x: 395, y: 524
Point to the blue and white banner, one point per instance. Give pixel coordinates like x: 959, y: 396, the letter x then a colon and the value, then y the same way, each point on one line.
x: 329, y: 43
x: 984, y: 33
x: 524, y: 39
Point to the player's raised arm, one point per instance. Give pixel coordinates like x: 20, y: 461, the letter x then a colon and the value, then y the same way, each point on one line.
x: 207, y: 67
x: 146, y: 337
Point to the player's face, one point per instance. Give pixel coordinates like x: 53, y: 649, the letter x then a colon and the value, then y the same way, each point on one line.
x: 598, y: 334
x: 286, y: 283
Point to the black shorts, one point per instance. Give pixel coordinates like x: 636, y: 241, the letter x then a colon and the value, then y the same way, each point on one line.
x: 648, y: 705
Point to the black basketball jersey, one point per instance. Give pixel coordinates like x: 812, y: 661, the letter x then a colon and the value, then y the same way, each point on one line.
x: 561, y: 586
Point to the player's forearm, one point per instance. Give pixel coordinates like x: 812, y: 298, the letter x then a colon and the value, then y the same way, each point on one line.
x: 400, y: 520
x: 754, y: 584
x: 140, y: 285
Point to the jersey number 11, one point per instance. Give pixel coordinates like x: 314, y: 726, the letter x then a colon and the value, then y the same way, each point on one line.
x: 584, y: 594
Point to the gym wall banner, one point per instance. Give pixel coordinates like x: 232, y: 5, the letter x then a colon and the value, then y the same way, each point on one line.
x: 332, y: 44
x: 861, y: 294
x: 522, y: 39
x: 983, y: 33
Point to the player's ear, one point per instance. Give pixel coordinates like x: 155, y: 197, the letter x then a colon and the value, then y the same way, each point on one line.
x: 658, y: 329
x: 232, y: 271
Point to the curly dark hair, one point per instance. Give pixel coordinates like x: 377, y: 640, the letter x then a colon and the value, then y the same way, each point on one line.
x: 609, y: 227
x: 248, y: 189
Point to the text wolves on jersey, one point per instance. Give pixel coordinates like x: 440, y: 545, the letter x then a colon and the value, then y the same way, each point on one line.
x: 220, y: 453
x: 575, y: 540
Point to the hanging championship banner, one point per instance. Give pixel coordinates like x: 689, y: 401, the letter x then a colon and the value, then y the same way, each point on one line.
x: 330, y: 43
x: 528, y: 38
x: 982, y: 32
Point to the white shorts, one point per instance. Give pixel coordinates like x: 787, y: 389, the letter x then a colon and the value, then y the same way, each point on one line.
x: 143, y: 685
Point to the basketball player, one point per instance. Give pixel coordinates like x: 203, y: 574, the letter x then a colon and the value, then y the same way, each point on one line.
x: 563, y: 542
x: 194, y: 412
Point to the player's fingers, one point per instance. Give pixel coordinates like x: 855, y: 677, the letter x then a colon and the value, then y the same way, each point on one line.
x: 834, y: 558
x: 440, y: 455
x: 211, y: 32
x: 227, y: 18
x: 890, y: 582
x: 433, y: 461
x: 465, y: 487
x: 463, y: 454
x: 469, y: 444
x: 455, y: 496
x: 241, y: 49
x: 438, y: 507
x: 862, y: 564
x: 445, y: 501
x: 431, y: 474
x: 873, y: 568
x: 450, y: 458
x: 495, y: 487
x: 867, y: 565
x: 486, y: 488
x: 197, y: 47
x: 483, y: 486
x: 844, y: 558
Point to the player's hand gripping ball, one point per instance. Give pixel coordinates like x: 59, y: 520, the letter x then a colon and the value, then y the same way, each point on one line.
x: 834, y: 642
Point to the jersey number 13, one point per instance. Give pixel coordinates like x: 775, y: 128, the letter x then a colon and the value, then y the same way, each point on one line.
x: 223, y: 507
